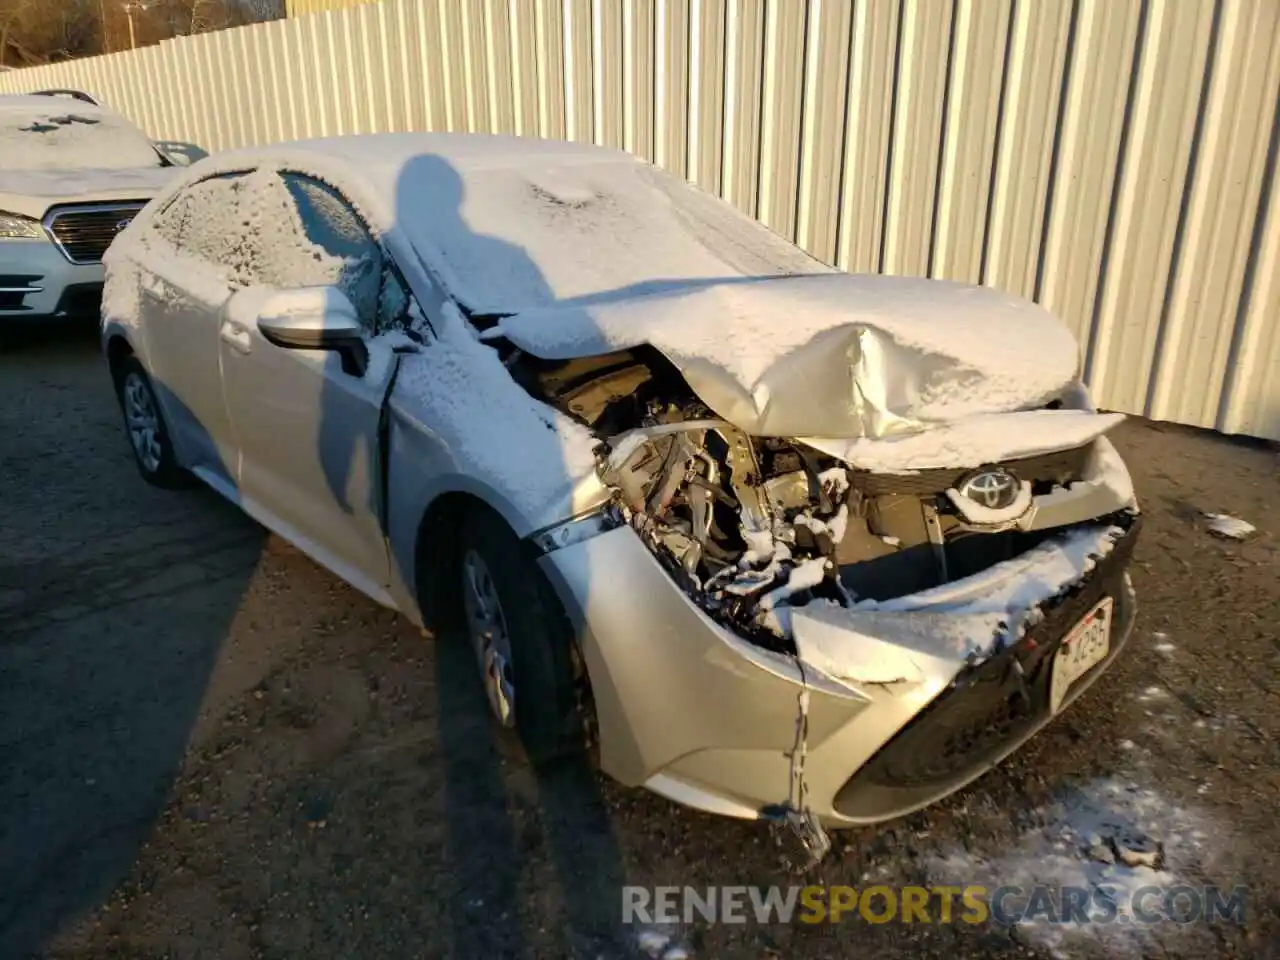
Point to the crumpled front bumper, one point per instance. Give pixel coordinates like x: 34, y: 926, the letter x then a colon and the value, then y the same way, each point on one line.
x: 694, y: 712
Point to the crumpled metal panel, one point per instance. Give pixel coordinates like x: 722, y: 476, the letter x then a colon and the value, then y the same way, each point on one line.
x: 850, y: 381
x: 827, y: 355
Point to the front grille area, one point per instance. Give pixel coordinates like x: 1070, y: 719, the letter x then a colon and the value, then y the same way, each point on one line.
x: 990, y: 708
x: 83, y: 233
x: 1061, y: 466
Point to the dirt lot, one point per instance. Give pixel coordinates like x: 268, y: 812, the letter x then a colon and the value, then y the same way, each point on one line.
x: 210, y: 747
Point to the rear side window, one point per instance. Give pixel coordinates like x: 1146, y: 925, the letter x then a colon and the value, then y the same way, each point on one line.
x: 210, y: 221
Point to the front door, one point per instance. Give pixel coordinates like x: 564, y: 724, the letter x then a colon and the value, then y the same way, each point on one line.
x: 308, y: 431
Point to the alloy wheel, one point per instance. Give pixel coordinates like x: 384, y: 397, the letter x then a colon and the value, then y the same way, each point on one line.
x: 143, y: 421
x: 489, y: 637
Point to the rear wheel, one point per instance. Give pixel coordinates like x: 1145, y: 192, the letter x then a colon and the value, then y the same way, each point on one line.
x: 144, y: 423
x: 524, y: 646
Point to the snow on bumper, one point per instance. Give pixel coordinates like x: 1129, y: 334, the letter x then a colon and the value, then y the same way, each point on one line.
x: 878, y: 642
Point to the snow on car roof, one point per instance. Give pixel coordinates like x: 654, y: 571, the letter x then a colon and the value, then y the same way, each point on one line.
x: 57, y: 133
x: 510, y: 223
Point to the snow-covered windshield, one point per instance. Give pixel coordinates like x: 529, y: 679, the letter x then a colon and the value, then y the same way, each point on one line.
x: 67, y: 135
x: 515, y: 238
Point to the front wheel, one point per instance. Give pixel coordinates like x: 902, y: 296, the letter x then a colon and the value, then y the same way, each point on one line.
x: 524, y: 645
x: 148, y: 433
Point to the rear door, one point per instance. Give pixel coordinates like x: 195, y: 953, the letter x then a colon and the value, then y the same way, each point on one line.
x: 186, y: 279
x: 307, y: 430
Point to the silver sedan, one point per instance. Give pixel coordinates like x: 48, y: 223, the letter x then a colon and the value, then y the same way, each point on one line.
x: 769, y: 539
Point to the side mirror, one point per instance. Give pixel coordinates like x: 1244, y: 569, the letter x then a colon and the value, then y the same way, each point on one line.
x: 179, y: 154
x: 316, y: 318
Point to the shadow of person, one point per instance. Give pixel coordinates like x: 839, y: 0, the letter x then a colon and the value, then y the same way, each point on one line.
x: 494, y: 825
x: 502, y: 820
x: 115, y: 603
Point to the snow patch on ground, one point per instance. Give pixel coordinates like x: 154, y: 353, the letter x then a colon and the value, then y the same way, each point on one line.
x: 1066, y: 846
x: 660, y: 945
x: 1225, y: 525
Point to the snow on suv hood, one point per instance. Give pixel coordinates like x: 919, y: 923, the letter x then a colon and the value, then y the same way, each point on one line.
x: 838, y: 356
x: 32, y: 192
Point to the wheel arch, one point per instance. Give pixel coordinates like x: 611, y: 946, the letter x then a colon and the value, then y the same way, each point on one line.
x: 436, y: 553
x: 117, y: 349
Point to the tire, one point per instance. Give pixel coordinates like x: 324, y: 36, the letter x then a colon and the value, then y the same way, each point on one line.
x: 546, y: 672
x: 154, y: 457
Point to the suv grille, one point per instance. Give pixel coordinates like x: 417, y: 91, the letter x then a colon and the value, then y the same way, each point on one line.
x: 83, y: 233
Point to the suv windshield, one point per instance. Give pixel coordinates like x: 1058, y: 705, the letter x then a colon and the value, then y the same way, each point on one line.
x: 66, y: 135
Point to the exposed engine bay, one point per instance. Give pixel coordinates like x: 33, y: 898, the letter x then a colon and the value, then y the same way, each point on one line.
x: 751, y: 527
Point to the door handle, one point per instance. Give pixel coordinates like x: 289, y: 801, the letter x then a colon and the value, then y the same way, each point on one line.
x: 237, y: 336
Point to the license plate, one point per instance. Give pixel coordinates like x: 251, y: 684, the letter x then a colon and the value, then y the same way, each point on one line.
x: 1084, y: 647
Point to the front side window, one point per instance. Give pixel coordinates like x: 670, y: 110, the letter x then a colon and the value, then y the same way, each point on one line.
x: 286, y: 231
x: 311, y: 236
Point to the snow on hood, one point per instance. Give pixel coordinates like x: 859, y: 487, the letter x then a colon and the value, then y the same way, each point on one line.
x: 55, y: 150
x: 50, y: 133
x: 32, y: 192
x: 831, y: 355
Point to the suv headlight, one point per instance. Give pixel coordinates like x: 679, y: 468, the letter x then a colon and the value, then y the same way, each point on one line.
x: 14, y: 227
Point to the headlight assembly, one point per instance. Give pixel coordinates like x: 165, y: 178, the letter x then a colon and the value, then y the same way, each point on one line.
x: 15, y: 227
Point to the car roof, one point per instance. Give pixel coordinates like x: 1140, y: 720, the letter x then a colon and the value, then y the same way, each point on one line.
x: 464, y: 150
x: 382, y: 160
x: 510, y: 222
x: 26, y: 104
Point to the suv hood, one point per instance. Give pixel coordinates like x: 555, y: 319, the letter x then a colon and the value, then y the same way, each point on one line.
x: 32, y: 192
x: 838, y: 356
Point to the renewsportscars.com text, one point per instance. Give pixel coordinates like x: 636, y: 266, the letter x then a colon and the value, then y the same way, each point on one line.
x: 972, y: 904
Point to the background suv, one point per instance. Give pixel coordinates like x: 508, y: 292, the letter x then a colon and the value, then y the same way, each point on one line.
x: 72, y: 176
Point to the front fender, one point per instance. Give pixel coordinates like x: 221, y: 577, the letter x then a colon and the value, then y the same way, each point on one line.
x: 421, y: 468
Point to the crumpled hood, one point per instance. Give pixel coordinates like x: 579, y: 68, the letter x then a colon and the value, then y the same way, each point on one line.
x: 32, y: 192
x: 831, y: 355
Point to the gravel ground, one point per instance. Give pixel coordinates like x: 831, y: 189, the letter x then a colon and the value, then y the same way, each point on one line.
x: 209, y: 747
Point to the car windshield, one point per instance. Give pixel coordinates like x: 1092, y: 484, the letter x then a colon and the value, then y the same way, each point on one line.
x: 66, y: 135
x: 515, y: 238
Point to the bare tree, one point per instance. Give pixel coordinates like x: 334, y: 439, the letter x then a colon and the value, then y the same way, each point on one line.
x: 37, y: 31
x: 260, y: 10
x: 41, y: 31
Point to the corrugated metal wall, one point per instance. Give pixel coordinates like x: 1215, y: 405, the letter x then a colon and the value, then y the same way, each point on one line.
x: 1113, y: 159
x: 299, y: 8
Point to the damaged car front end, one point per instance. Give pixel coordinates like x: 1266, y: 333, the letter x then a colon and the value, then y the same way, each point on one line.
x: 863, y: 622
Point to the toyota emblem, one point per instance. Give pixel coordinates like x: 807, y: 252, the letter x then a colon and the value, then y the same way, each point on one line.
x: 995, y: 489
